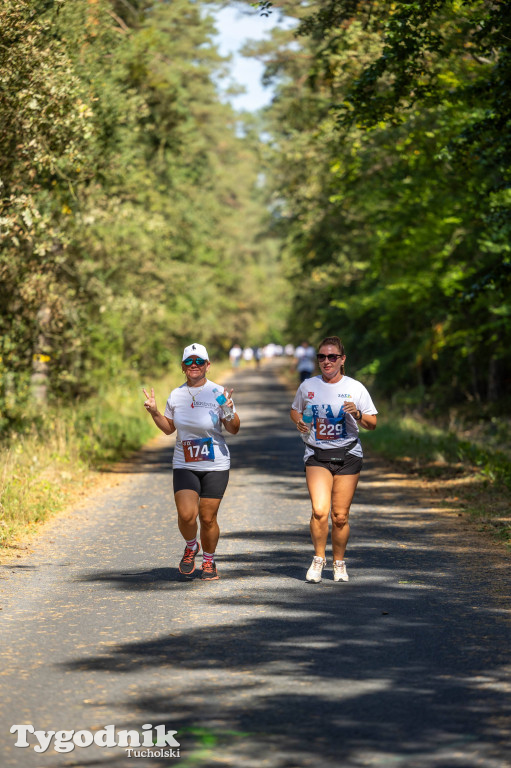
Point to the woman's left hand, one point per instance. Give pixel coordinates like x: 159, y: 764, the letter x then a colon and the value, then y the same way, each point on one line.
x: 351, y: 408
x: 228, y: 395
x: 232, y: 425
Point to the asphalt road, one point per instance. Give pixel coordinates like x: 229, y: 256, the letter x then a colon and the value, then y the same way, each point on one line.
x: 407, y: 665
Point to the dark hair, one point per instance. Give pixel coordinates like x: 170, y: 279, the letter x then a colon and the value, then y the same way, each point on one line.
x: 334, y: 341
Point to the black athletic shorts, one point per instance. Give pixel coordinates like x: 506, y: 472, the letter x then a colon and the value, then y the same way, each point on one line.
x: 352, y: 465
x: 209, y: 485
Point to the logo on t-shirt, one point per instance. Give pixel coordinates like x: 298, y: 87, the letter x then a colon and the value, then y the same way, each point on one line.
x: 346, y: 397
x: 310, y: 395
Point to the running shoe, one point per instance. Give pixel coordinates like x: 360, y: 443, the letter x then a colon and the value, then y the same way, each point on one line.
x: 187, y: 564
x: 209, y: 570
x: 314, y: 572
x: 340, y: 572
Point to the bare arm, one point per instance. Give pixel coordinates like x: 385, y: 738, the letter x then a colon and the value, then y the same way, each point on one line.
x: 162, y: 422
x: 232, y: 426
x: 368, y: 421
x: 365, y: 420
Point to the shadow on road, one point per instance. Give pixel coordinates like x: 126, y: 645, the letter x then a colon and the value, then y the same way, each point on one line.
x: 402, y: 666
x: 363, y: 680
x: 383, y: 668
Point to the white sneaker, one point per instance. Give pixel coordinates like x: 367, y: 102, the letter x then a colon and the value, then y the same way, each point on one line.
x: 314, y: 572
x: 340, y: 572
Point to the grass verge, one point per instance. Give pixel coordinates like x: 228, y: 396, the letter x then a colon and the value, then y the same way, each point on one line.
x: 477, y: 477
x: 469, y: 470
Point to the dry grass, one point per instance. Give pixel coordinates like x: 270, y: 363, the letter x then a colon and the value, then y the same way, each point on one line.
x: 38, y: 477
x: 43, y: 472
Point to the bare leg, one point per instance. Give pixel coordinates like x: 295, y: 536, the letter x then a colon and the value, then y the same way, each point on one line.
x: 209, y: 530
x: 187, y: 503
x: 320, y: 484
x: 344, y: 487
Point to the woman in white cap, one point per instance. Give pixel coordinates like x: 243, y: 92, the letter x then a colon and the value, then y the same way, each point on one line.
x: 201, y: 457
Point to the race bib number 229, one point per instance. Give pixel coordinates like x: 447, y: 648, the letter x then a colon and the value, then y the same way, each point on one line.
x: 199, y: 449
x: 330, y: 429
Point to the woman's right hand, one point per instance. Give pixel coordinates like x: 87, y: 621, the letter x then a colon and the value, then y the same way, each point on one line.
x: 301, y: 427
x: 150, y: 403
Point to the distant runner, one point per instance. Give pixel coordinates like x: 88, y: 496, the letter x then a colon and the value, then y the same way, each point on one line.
x: 201, y: 457
x: 305, y: 359
x: 333, y: 453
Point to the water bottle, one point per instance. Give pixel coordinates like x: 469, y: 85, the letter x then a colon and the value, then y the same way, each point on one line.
x: 221, y: 400
x: 307, y: 418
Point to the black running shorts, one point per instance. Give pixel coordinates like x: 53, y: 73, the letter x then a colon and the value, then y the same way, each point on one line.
x: 352, y: 465
x: 209, y: 485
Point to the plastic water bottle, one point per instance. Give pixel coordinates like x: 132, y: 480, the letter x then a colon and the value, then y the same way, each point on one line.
x: 221, y: 400
x: 307, y: 418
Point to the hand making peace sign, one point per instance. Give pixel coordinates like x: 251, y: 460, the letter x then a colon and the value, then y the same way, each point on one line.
x: 150, y: 403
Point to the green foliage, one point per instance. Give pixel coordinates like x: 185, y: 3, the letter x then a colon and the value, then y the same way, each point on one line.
x: 44, y: 468
x: 433, y: 451
x: 391, y: 188
x: 130, y: 210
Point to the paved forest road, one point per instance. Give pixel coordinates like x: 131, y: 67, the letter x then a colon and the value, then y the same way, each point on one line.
x: 406, y: 665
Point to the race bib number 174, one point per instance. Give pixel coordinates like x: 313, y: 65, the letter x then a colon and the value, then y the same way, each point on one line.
x: 199, y: 449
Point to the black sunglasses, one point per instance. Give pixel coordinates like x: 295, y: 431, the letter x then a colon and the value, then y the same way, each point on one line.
x: 322, y: 358
x: 198, y: 361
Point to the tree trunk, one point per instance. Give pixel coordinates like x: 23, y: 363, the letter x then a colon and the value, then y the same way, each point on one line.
x: 41, y: 358
x: 493, y: 381
x: 473, y: 374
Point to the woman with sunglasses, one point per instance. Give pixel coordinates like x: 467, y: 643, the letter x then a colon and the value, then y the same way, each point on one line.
x: 333, y: 453
x: 201, y: 457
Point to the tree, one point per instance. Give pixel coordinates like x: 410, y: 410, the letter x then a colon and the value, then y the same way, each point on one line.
x: 131, y: 207
x: 392, y: 181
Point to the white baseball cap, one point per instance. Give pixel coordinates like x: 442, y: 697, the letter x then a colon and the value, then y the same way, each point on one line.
x: 199, y: 350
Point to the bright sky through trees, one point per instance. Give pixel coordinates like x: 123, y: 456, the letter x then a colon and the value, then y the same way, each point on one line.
x: 236, y: 24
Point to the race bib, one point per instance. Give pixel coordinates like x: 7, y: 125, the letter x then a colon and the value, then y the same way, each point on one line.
x: 199, y: 449
x: 330, y: 428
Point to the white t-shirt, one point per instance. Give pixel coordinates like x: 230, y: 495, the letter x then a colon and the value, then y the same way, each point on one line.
x: 332, y: 428
x: 306, y: 357
x: 200, y: 444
